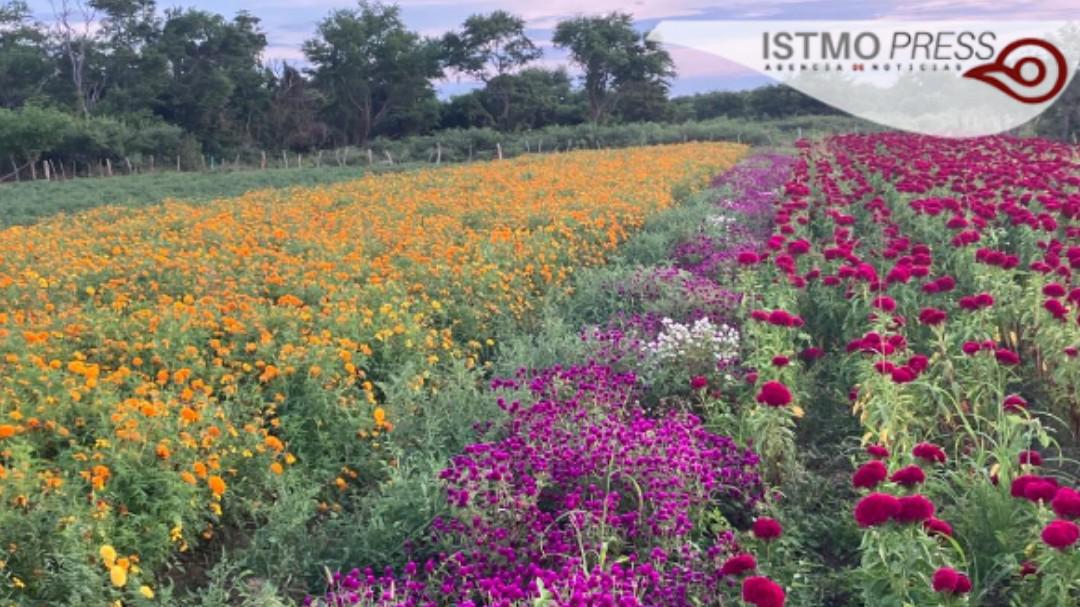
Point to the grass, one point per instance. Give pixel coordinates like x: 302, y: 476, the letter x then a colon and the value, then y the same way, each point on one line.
x: 28, y: 202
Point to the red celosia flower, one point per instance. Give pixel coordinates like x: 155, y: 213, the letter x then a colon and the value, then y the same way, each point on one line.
x: 1071, y: 351
x: 738, y: 564
x: 698, y: 382
x: 767, y: 529
x: 751, y: 377
x: 1007, y: 357
x: 1031, y: 458
x: 811, y: 354
x: 878, y: 451
x: 780, y: 361
x: 903, y: 375
x: 1014, y: 403
x: 869, y: 475
x: 1028, y: 568
x: 971, y: 348
x: 876, y: 509
x: 914, y: 509
x: 762, y: 592
x: 1066, y: 503
x: 1060, y: 534
x: 774, y: 394
x: 929, y: 452
x: 936, y: 526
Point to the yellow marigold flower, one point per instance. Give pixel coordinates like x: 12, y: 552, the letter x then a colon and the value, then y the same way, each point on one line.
x: 108, y: 555
x: 118, y: 576
x: 277, y: 468
x: 146, y: 591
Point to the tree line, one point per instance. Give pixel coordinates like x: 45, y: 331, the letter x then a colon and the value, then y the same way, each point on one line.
x: 109, y: 80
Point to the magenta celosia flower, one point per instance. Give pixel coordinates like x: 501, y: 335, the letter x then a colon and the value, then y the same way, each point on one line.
x: 774, y: 394
x: 698, y: 382
x: 1040, y: 490
x: 932, y: 316
x: 1060, y: 534
x: 971, y: 348
x: 908, y: 476
x: 1007, y: 357
x: 1031, y: 457
x: 936, y: 526
x: 760, y: 591
x: 1066, y: 503
x: 929, y: 452
x: 885, y: 303
x: 947, y: 580
x: 876, y: 509
x: 914, y: 509
x: 1014, y: 403
x: 877, y: 451
x: 738, y: 564
x: 869, y: 475
x: 767, y: 529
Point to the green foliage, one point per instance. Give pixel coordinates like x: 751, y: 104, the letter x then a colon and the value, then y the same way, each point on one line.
x: 370, y: 66
x: 615, y: 58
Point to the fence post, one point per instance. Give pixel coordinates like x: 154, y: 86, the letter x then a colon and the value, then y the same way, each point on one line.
x: 127, y: 161
x: 262, y: 159
x: 45, y: 166
x: 438, y: 153
x: 33, y: 170
x: 285, y: 158
x: 498, y: 148
x: 540, y: 146
x: 370, y: 157
x: 14, y: 166
x: 389, y: 158
x: 299, y: 160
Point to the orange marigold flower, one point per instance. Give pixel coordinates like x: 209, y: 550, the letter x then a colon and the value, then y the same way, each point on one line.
x: 217, y: 485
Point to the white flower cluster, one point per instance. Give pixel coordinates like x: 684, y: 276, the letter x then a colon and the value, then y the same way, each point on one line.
x: 699, y: 341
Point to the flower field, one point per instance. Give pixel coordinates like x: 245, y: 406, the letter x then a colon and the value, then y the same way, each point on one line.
x: 890, y: 322
x: 841, y: 374
x: 167, y: 371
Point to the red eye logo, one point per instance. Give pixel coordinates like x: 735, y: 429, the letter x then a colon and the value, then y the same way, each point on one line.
x: 1006, y: 72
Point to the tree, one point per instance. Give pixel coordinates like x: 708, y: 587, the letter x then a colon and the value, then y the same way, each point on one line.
x: 217, y: 85
x: 76, y: 26
x: 370, y: 68
x: 136, y: 70
x: 25, y: 66
x: 614, y: 57
x: 292, y: 121
x: 490, y: 48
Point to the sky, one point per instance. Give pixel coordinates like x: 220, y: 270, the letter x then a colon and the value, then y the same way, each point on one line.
x: 289, y: 22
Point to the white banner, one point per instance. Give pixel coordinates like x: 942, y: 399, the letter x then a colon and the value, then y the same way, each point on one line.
x: 946, y: 78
